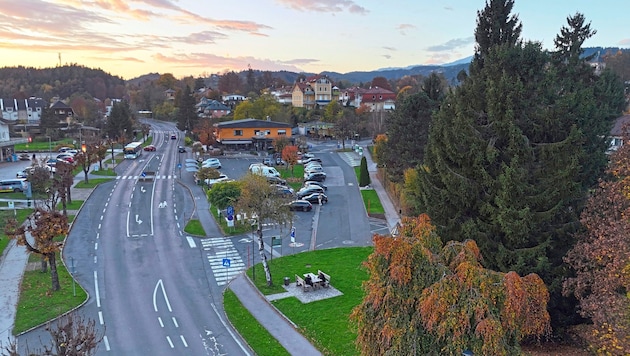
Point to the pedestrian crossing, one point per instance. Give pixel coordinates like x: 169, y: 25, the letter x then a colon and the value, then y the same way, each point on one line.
x: 153, y: 177
x: 224, y: 259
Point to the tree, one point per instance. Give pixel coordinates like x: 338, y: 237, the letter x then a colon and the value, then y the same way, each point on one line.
x: 49, y: 123
x: 207, y: 173
x: 600, y: 259
x: 119, y: 122
x: 86, y: 158
x: 345, y: 125
x: 378, y: 149
x: 224, y: 194
x: 407, y: 134
x: 424, y: 297
x: 261, y: 200
x: 364, y: 175
x: 380, y: 82
x: 495, y: 27
x: 504, y: 161
x: 280, y: 143
x: 44, y: 226
x: 186, y: 116
x: 100, y: 153
x: 289, y: 155
x: 62, y: 183
x: 230, y: 82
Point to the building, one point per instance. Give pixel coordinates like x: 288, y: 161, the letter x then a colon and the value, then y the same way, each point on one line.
x: 250, y: 133
x: 211, y: 108
x: 314, y: 92
x: 63, y: 112
x: 620, y: 129
x: 375, y: 99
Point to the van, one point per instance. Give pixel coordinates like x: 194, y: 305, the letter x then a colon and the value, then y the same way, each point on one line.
x: 13, y: 185
x: 261, y: 169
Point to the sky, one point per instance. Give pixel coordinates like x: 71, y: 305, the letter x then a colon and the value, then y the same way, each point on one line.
x: 129, y: 38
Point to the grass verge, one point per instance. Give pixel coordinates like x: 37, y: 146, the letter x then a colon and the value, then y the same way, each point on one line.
x: 38, y: 304
x: 75, y: 205
x: 92, y: 183
x: 325, y: 323
x: 194, y: 227
x: 372, y: 202
x: 5, y: 215
x: 104, y: 172
x: 258, y: 338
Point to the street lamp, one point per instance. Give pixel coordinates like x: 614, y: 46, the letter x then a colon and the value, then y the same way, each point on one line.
x: 253, y: 253
x: 49, y: 146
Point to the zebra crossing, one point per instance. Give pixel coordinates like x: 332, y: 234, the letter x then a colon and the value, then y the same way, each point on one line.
x: 154, y: 177
x: 224, y: 259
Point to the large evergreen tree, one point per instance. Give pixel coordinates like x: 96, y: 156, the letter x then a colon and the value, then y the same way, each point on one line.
x: 119, y: 122
x: 186, y: 115
x: 505, y: 155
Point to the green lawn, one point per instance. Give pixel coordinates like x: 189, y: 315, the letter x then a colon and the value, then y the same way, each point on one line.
x: 372, y: 202
x: 38, y: 304
x: 92, y: 182
x: 194, y: 227
x: 258, y: 338
x: 5, y: 215
x: 325, y: 323
x: 43, y: 146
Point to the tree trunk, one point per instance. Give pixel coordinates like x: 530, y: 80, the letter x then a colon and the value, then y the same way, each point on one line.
x: 54, y: 276
x: 68, y: 195
x: 44, y: 264
x: 263, y: 257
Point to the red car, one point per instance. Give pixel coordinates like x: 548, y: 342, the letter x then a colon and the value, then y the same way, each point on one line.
x: 149, y: 148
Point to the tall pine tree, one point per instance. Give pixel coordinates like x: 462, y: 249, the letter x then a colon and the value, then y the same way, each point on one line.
x: 186, y: 116
x: 505, y: 155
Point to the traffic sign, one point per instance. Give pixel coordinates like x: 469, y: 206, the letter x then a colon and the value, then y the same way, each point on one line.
x: 293, y: 234
x: 230, y: 210
x: 143, y: 174
x: 179, y: 165
x: 226, y: 262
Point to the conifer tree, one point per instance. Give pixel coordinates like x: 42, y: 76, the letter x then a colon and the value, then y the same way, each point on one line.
x: 364, y: 175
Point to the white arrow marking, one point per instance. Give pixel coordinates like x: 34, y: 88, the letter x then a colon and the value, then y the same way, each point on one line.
x: 160, y: 285
x: 138, y: 220
x: 142, y: 190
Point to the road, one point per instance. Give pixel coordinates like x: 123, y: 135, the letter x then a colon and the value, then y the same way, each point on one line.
x: 154, y: 290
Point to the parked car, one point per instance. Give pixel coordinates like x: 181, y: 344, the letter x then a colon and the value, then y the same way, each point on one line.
x: 268, y: 161
x: 308, y: 191
x: 181, y: 149
x: 316, y: 176
x: 222, y: 178
x: 72, y: 151
x: 312, y: 159
x: 150, y: 148
x: 211, y: 163
x: 66, y: 157
x: 25, y: 157
x: 314, y: 198
x: 313, y: 169
x: 64, y: 149
x: 283, y: 189
x: 302, y: 205
x: 276, y: 180
x: 22, y: 174
x: 314, y: 182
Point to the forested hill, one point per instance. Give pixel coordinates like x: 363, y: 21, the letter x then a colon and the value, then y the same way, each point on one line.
x: 64, y: 81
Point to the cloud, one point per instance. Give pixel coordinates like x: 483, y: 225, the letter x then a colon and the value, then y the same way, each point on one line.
x: 403, y: 27
x: 625, y: 42
x: 332, y: 6
x: 387, y: 56
x: 212, y: 62
x: 452, y: 44
x: 389, y: 48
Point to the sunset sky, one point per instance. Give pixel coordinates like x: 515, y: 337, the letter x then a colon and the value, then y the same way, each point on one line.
x: 130, y: 38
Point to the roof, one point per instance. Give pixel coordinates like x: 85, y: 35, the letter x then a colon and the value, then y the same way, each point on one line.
x: 617, y: 130
x: 251, y: 123
x: 60, y: 105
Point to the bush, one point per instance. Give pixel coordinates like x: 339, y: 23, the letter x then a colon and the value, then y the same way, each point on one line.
x: 364, y: 175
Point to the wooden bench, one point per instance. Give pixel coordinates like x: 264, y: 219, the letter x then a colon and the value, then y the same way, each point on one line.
x: 326, y: 280
x: 299, y: 282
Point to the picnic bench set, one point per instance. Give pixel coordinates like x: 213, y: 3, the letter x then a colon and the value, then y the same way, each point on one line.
x: 312, y: 281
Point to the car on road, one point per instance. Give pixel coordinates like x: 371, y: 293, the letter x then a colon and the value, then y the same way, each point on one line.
x: 181, y: 149
x: 314, y: 182
x: 150, y: 148
x: 309, y: 190
x: 314, y: 198
x: 316, y: 176
x: 22, y: 174
x: 25, y: 157
x: 173, y: 137
x: 302, y: 205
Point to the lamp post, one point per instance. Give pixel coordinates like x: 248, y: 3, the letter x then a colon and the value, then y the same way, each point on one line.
x: 49, y: 146
x: 253, y: 253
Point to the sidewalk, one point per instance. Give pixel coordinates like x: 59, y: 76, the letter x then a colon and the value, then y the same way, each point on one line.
x: 12, y: 266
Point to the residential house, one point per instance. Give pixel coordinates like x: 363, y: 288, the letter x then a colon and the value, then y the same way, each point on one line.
x: 250, y: 133
x: 7, y: 144
x: 63, y: 112
x: 315, y: 91
x: 622, y: 124
x: 169, y: 94
x: 211, y: 108
x: 24, y: 111
x: 232, y: 100
x: 375, y: 98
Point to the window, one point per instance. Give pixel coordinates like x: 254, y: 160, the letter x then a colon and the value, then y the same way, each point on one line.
x: 238, y: 132
x: 282, y: 132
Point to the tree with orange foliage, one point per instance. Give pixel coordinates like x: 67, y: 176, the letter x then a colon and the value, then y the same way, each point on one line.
x: 379, y: 146
x: 289, y: 155
x: 601, y: 260
x: 424, y: 298
x: 44, y: 226
x: 205, y: 131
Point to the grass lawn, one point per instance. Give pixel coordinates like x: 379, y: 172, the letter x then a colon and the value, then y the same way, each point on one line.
x: 372, y: 202
x: 326, y: 323
x: 75, y: 205
x: 42, y: 146
x: 250, y: 329
x: 104, y: 172
x: 239, y: 228
x: 38, y: 304
x: 5, y: 215
x: 194, y: 227
x: 92, y: 183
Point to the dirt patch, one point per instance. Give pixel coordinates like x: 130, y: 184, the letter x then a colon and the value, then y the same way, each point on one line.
x: 555, y: 350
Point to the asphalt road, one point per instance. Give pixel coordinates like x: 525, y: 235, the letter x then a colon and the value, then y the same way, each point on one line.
x: 154, y: 290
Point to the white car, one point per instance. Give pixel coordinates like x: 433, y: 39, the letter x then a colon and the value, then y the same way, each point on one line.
x: 211, y: 163
x: 222, y: 178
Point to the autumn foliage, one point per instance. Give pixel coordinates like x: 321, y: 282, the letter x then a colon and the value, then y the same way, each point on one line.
x: 426, y: 298
x: 601, y: 260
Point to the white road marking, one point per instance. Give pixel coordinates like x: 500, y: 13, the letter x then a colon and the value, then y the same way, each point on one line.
x: 95, y: 246
x: 168, y: 338
x: 175, y: 322
x: 160, y: 321
x: 161, y: 285
x: 183, y: 340
x: 100, y: 317
x: 97, y: 295
x: 191, y: 242
x: 106, y: 341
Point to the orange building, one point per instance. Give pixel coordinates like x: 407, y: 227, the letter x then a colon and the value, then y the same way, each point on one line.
x: 250, y: 133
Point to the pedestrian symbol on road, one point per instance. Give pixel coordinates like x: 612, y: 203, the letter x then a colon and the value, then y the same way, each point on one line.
x: 226, y: 262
